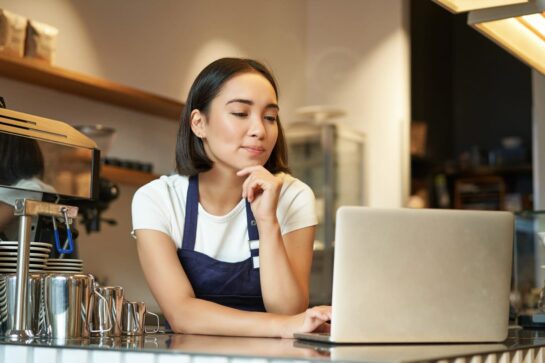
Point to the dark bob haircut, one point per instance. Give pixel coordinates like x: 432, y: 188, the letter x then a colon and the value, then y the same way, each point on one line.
x: 191, y: 157
x: 21, y: 159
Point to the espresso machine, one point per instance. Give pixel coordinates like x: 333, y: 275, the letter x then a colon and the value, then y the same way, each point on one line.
x: 48, y: 170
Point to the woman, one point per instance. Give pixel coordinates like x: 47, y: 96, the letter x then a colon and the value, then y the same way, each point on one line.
x: 21, y: 174
x: 226, y: 245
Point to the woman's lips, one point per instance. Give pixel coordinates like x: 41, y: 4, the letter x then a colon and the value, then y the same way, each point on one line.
x: 254, y: 150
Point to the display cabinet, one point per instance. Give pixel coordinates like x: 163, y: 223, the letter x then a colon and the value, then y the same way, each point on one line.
x: 528, y: 284
x: 330, y: 159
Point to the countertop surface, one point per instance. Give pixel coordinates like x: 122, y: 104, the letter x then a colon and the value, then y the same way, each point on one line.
x: 286, y: 349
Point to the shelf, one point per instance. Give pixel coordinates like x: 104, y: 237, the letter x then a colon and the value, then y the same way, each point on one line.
x: 126, y: 176
x: 492, y: 170
x: 43, y: 74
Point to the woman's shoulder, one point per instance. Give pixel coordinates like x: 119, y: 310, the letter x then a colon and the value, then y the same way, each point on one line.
x: 296, y: 205
x: 166, y: 184
x: 34, y: 184
x: 292, y: 186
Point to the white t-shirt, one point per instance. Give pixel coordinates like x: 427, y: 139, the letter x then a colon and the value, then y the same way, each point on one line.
x: 31, y: 191
x: 160, y: 205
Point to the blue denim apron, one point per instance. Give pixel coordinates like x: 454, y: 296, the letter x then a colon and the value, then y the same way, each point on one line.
x: 233, y: 284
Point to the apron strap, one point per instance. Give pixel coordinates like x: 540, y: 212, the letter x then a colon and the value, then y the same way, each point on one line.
x: 253, y: 235
x: 191, y: 214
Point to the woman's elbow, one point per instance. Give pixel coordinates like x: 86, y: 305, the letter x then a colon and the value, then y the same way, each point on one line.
x: 179, y: 319
x: 179, y: 326
x: 183, y: 325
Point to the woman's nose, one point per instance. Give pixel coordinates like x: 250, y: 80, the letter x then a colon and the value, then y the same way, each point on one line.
x: 257, y: 129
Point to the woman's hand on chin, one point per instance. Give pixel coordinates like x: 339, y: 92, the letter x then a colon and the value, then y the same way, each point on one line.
x: 312, y: 320
x: 262, y: 189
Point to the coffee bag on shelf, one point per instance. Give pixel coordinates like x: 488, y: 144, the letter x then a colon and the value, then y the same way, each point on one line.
x: 12, y: 33
x: 41, y: 41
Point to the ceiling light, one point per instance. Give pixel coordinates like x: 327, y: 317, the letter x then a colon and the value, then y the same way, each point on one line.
x: 519, y: 29
x: 459, y: 6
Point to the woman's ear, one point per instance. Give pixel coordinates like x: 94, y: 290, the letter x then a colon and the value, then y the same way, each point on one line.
x: 198, y: 124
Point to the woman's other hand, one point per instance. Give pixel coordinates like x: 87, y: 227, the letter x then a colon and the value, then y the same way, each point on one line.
x: 262, y: 189
x: 312, y: 320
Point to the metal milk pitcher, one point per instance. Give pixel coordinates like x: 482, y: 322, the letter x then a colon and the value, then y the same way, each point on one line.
x: 8, y: 290
x: 133, y: 318
x: 111, y: 305
x: 68, y: 305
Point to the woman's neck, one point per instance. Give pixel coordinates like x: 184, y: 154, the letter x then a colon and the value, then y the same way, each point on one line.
x: 219, y: 191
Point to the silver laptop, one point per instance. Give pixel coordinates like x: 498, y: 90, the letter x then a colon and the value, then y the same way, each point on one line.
x: 420, y: 276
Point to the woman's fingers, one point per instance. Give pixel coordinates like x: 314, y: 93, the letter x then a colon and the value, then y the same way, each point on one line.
x: 249, y: 169
x: 321, y: 314
x: 324, y: 328
x: 313, y: 319
x: 317, y: 316
x: 324, y: 309
x: 258, y: 180
x: 251, y: 187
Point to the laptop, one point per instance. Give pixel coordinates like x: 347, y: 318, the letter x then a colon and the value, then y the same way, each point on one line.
x: 420, y: 276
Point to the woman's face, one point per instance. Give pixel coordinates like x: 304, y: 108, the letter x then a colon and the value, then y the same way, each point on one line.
x: 241, y: 127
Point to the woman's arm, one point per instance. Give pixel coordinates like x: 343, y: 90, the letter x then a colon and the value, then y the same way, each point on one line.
x: 285, y: 264
x: 187, y: 314
x: 284, y: 261
x: 6, y: 215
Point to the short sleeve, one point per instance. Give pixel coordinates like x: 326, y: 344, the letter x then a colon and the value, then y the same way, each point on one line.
x: 149, y: 210
x: 8, y: 196
x: 297, y: 206
x: 26, y: 188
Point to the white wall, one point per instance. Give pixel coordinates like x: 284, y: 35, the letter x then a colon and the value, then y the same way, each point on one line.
x: 349, y: 53
x: 160, y: 46
x: 358, y: 59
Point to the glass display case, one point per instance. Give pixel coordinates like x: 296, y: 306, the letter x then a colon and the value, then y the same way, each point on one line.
x: 330, y: 159
x: 528, y: 261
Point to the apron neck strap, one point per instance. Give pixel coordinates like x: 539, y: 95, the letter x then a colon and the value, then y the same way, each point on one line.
x: 192, y: 215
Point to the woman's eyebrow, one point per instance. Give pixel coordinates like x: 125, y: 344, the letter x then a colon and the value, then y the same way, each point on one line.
x: 241, y: 100
x: 251, y: 103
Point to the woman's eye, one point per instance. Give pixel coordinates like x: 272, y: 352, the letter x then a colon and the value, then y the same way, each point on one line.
x: 271, y: 118
x: 239, y: 114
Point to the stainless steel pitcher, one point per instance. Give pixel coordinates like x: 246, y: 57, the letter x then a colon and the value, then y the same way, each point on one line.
x: 111, y: 305
x: 68, y: 305
x: 8, y: 287
x: 133, y: 318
